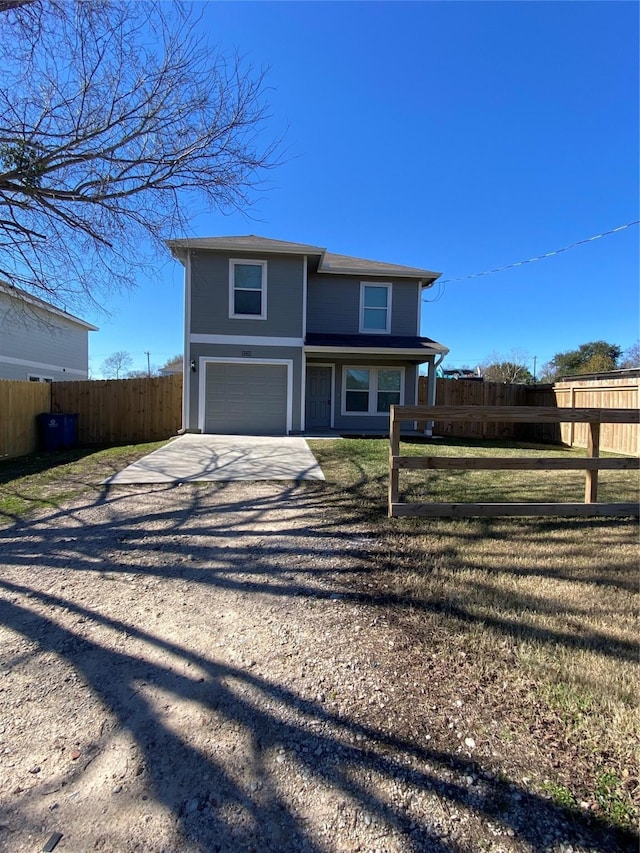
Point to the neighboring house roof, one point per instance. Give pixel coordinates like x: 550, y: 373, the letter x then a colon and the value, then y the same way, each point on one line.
x: 23, y: 296
x: 328, y: 262
x: 620, y: 373
x: 379, y: 343
x: 172, y: 367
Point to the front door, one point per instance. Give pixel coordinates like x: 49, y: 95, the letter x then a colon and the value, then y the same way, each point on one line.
x: 318, y: 398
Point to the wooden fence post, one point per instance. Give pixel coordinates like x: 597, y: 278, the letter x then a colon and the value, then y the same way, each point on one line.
x: 394, y: 450
x: 593, y: 449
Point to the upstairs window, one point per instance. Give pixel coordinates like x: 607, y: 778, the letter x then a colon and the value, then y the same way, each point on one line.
x: 248, y: 289
x: 375, y: 308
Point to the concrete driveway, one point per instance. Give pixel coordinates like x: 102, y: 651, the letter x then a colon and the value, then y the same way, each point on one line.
x: 193, y: 458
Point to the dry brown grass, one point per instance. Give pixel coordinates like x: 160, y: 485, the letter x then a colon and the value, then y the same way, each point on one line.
x: 534, y: 620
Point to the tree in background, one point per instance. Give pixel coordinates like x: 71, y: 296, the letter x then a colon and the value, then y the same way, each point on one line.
x: 143, y: 374
x: 117, y: 365
x: 507, y: 371
x: 511, y: 367
x: 114, y: 116
x: 631, y: 356
x: 593, y: 357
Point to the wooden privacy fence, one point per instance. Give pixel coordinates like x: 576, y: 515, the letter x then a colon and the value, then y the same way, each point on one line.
x: 122, y: 411
x: 597, y: 393
x: 20, y: 404
x: 605, y: 393
x: 114, y: 411
x: 591, y: 463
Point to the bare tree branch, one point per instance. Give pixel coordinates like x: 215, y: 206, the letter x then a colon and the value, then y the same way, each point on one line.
x: 113, y: 115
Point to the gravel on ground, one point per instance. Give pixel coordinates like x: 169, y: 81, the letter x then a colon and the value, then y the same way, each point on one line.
x: 207, y: 668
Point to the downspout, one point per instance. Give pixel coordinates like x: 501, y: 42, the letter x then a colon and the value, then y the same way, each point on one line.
x: 186, y: 351
x: 303, y: 379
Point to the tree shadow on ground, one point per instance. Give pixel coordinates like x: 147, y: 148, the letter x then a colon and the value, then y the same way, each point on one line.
x: 200, y: 536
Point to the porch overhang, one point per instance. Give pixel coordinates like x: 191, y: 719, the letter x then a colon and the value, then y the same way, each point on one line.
x: 396, y: 346
x: 421, y: 354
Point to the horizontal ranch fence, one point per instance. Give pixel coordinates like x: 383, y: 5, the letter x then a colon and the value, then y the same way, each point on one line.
x: 20, y: 404
x: 122, y: 411
x: 591, y: 463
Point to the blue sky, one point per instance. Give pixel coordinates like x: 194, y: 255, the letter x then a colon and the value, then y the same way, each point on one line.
x: 456, y: 136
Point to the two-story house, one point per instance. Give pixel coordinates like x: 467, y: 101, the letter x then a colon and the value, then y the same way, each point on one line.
x: 285, y: 337
x: 40, y: 342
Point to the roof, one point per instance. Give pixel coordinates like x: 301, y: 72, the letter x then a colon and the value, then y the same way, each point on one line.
x: 22, y: 295
x: 340, y: 264
x: 176, y: 365
x: 247, y: 243
x: 328, y: 262
x: 379, y: 343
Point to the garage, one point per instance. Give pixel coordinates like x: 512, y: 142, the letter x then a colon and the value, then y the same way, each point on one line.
x: 246, y: 398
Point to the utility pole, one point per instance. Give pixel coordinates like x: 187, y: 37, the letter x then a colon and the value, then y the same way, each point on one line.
x: 535, y: 359
x: 148, y: 355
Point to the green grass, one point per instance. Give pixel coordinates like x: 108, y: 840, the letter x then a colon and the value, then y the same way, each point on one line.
x: 354, y: 461
x: 42, y: 480
x: 537, y: 618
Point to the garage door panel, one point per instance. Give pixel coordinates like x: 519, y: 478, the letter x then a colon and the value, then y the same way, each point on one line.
x: 246, y: 398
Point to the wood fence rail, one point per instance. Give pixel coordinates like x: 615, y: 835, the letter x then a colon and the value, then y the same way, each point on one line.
x: 591, y: 464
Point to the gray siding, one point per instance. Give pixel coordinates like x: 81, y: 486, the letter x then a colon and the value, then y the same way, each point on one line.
x: 233, y: 351
x: 369, y: 422
x: 210, y: 296
x: 32, y: 341
x: 333, y: 305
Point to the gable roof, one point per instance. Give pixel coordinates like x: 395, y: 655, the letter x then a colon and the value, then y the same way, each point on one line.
x: 248, y: 243
x: 341, y: 264
x: 23, y: 296
x: 328, y: 262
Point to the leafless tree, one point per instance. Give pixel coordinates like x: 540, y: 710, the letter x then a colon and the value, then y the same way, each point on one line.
x: 510, y: 368
x: 116, y: 118
x: 117, y: 365
x: 631, y: 356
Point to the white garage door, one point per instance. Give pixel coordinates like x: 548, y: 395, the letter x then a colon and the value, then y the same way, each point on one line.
x: 246, y: 399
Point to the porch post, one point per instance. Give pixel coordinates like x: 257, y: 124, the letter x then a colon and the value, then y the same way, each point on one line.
x: 431, y: 393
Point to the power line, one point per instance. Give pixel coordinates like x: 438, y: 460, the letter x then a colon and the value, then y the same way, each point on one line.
x: 530, y: 260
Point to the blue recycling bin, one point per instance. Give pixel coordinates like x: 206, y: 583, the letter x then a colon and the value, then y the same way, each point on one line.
x: 58, y: 432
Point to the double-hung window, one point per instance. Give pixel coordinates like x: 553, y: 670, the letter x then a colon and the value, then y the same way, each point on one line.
x: 248, y: 289
x: 375, y: 308
x: 371, y: 390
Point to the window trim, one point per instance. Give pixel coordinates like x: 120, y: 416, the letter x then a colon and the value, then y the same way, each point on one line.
x: 232, y: 289
x: 39, y: 377
x: 373, y: 392
x: 389, y: 288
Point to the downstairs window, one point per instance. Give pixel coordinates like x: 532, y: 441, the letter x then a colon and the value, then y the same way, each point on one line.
x: 371, y: 390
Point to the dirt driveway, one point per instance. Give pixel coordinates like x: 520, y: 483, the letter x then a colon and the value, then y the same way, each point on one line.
x: 206, y: 668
